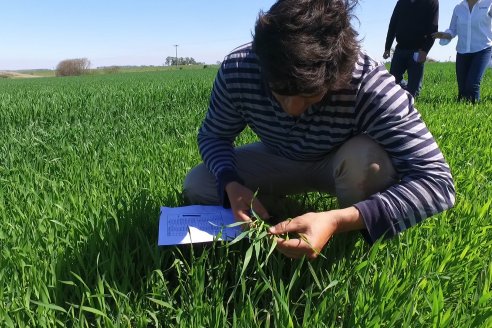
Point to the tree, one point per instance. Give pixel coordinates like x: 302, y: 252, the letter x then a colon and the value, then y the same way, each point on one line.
x: 73, y: 67
x: 171, y: 61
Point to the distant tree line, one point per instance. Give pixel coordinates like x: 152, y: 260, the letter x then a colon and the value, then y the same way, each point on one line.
x: 171, y: 61
x: 81, y: 66
x: 73, y: 67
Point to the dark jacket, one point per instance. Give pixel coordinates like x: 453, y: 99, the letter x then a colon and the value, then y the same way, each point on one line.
x: 412, y: 23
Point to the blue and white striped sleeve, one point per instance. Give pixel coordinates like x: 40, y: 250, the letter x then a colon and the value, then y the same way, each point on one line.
x: 216, y: 135
x: 386, y: 113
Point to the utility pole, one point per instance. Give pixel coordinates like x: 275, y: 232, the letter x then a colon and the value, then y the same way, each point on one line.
x: 176, y: 45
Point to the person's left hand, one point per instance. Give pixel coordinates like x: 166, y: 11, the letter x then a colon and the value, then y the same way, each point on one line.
x: 241, y: 198
x: 317, y: 228
x: 441, y: 35
x: 422, y: 56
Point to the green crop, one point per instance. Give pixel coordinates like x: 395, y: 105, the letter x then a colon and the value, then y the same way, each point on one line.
x: 86, y: 163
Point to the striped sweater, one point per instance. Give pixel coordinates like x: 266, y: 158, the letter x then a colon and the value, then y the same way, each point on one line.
x: 373, y: 105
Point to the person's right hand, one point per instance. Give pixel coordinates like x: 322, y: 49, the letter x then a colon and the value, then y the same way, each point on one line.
x: 241, y: 199
x: 386, y: 54
x: 441, y: 35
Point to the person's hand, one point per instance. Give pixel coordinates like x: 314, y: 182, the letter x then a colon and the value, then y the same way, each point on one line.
x: 422, y: 56
x: 241, y: 198
x: 441, y: 35
x: 315, y: 230
x: 386, y: 54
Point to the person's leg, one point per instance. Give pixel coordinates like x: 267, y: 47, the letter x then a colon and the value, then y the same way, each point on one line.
x: 415, y: 77
x: 462, y: 67
x: 361, y: 168
x: 262, y: 170
x: 199, y: 187
x: 358, y: 169
x: 478, y: 64
x: 399, y: 64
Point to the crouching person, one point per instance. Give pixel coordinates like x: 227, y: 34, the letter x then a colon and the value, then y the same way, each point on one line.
x: 328, y: 119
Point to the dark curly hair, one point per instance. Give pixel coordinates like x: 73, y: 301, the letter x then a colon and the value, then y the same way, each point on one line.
x: 306, y: 46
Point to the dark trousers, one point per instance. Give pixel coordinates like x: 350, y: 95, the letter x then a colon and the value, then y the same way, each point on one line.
x: 470, y: 69
x: 403, y: 61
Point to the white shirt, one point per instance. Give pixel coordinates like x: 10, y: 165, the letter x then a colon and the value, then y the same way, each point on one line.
x: 474, y: 29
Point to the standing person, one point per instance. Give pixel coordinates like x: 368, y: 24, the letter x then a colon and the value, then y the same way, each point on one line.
x: 412, y: 23
x: 471, y: 22
x: 329, y: 119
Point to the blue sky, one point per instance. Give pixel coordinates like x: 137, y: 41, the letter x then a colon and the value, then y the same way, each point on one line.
x: 39, y: 34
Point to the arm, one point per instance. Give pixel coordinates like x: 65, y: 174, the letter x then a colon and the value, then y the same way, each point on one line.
x: 217, y: 133
x: 390, y: 36
x: 221, y: 126
x: 432, y: 26
x: 450, y: 33
x: 386, y: 114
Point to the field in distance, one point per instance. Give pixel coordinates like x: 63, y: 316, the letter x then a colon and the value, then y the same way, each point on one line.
x: 29, y: 73
x: 86, y: 162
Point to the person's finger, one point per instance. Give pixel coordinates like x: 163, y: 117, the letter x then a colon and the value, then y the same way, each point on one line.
x: 437, y: 35
x: 296, y: 248
x: 242, y: 215
x: 260, y: 209
x: 286, y: 227
x: 288, y: 251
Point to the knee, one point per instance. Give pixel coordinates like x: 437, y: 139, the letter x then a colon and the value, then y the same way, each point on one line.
x: 189, y: 189
x: 361, y: 168
x: 199, y: 186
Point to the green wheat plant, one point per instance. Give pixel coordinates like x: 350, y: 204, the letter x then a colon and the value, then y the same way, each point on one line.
x: 257, y: 232
x: 86, y: 162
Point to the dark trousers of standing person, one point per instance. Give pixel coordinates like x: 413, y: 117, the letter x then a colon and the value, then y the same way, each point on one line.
x: 470, y: 69
x: 403, y: 61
